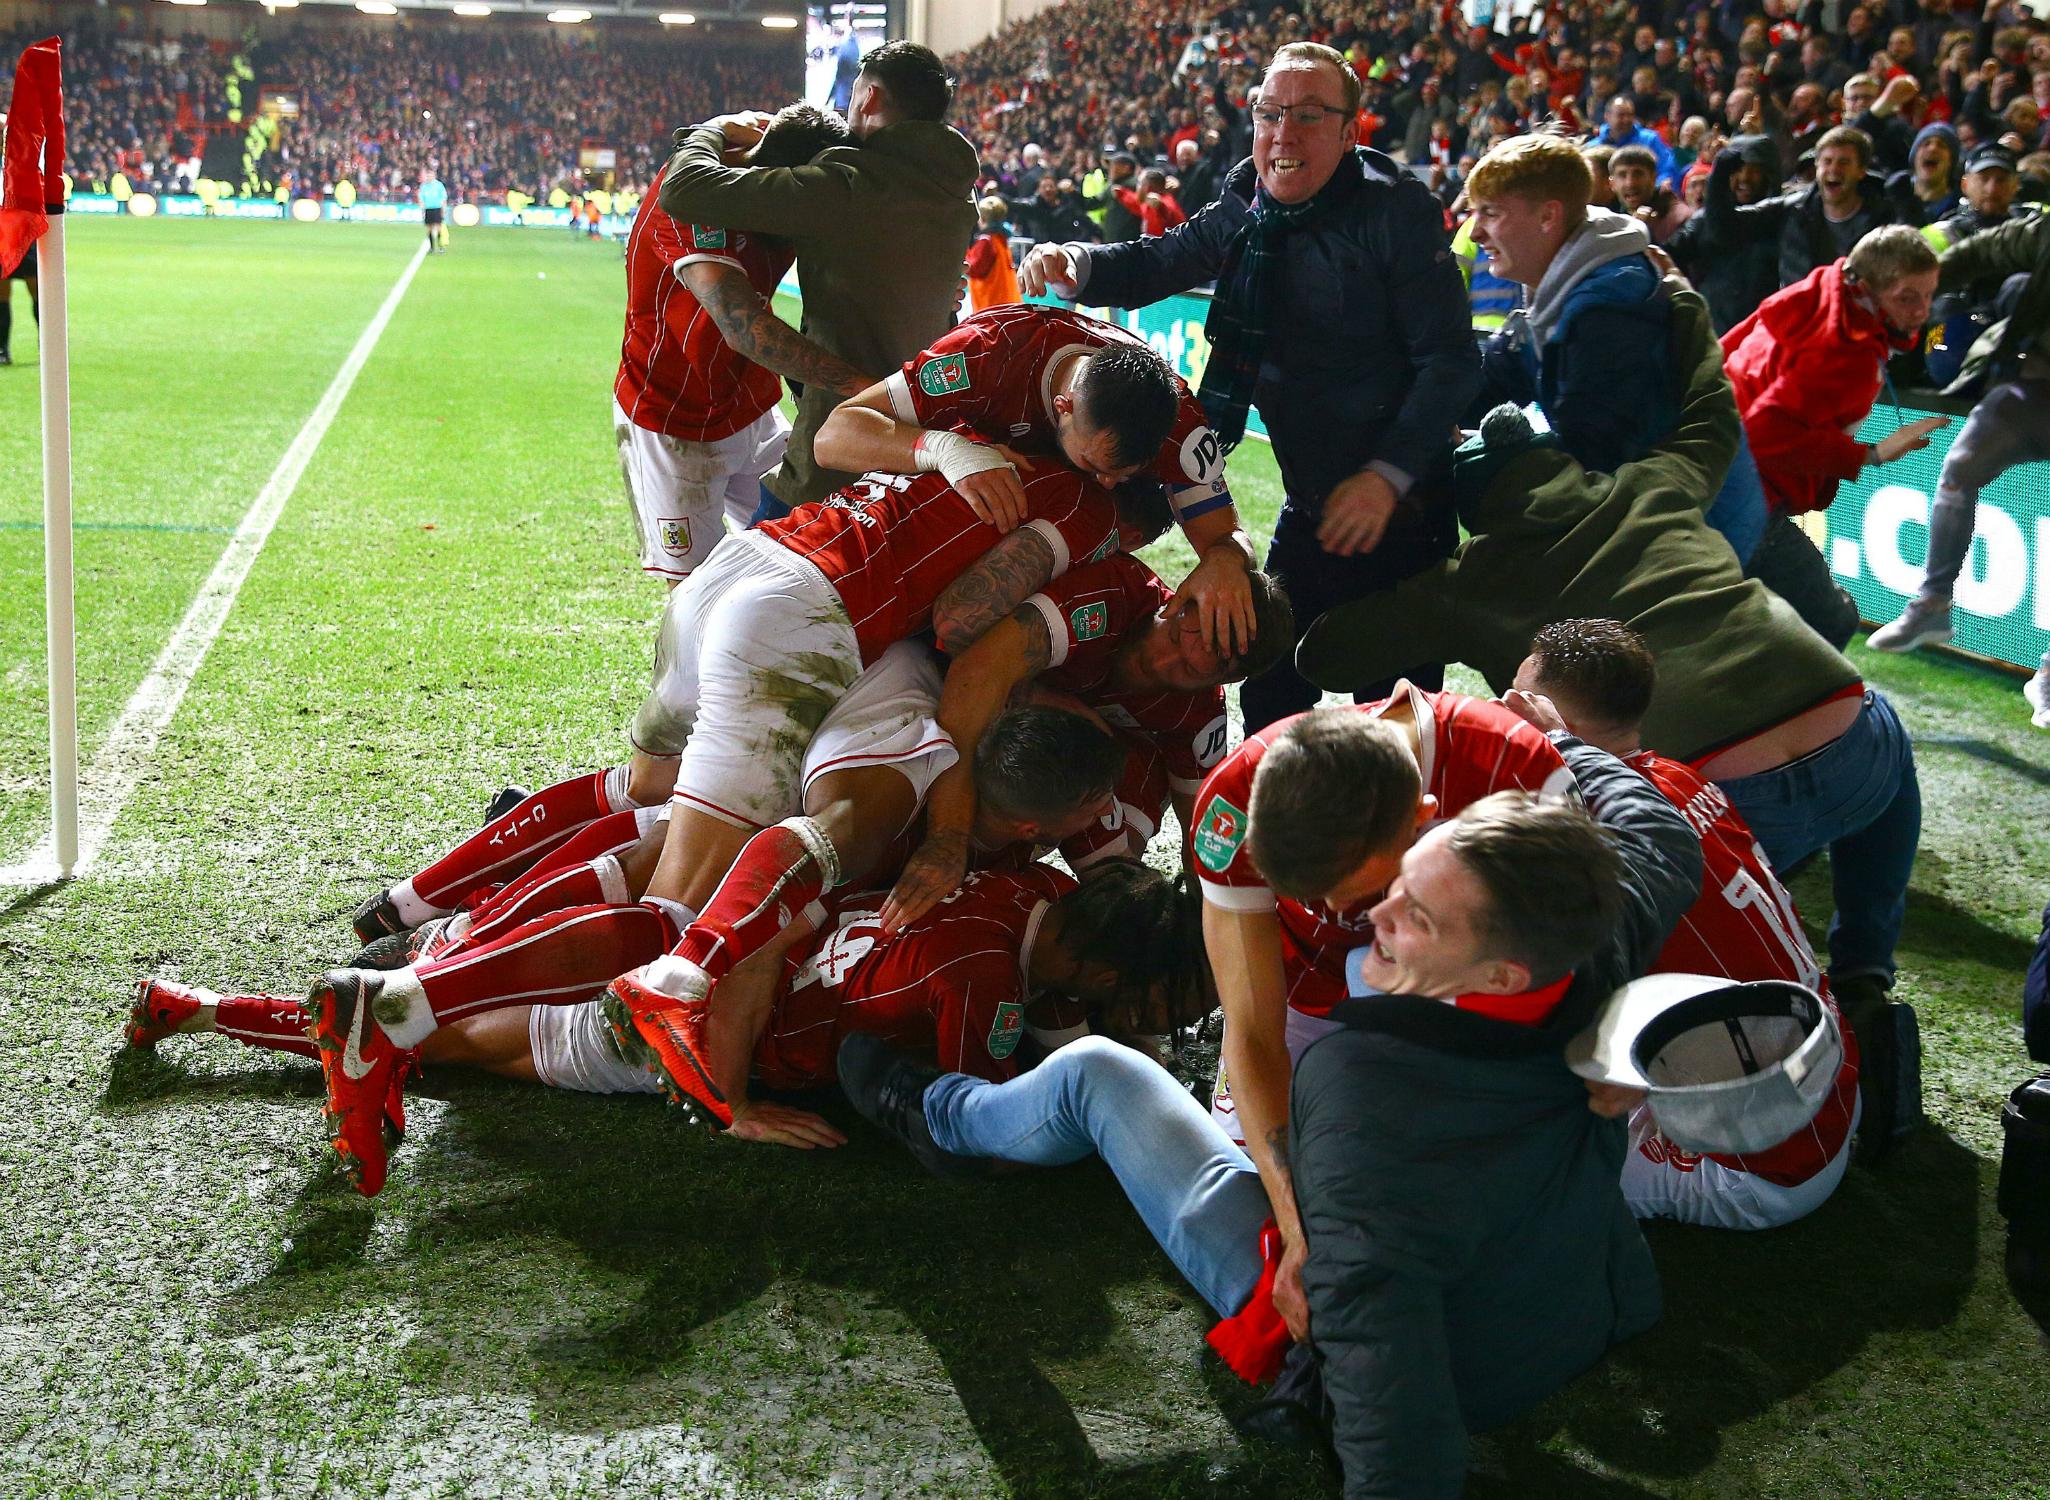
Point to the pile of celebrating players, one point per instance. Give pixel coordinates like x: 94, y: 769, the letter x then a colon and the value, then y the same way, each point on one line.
x: 1499, y: 977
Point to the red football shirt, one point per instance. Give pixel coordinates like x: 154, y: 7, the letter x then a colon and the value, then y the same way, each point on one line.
x: 889, y: 544
x: 1470, y: 748
x: 951, y: 986
x: 1744, y: 927
x: 1089, y: 614
x: 677, y: 373
x: 991, y: 374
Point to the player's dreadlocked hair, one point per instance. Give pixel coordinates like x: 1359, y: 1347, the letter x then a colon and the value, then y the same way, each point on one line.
x: 1129, y: 391
x: 797, y: 134
x: 1148, y: 931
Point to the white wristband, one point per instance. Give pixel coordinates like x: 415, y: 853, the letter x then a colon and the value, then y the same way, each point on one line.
x: 955, y: 456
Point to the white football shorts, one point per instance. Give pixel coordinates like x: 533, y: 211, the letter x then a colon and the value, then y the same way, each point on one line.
x: 683, y: 492
x: 573, y: 1048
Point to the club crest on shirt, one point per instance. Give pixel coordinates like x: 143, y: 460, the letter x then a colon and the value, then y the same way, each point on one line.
x: 944, y: 376
x: 676, y: 536
x: 1223, y: 830
x: 1006, y: 1029
x: 1089, y: 621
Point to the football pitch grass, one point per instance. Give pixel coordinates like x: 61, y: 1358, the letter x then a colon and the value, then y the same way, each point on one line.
x: 560, y: 1294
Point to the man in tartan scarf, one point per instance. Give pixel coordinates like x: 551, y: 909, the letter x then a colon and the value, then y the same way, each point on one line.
x: 1340, y: 314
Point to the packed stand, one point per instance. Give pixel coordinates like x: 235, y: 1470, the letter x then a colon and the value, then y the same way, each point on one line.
x: 490, y: 108
x: 135, y: 106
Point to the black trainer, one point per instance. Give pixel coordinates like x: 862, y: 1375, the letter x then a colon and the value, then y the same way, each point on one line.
x: 377, y: 918
x: 505, y: 802
x: 887, y: 1089
x: 1889, y: 1062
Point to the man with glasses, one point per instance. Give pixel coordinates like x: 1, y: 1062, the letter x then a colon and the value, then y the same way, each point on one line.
x: 1341, y: 313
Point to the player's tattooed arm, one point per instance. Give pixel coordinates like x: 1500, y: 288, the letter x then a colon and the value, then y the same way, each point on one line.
x: 1003, y: 578
x: 978, y: 688
x: 751, y: 328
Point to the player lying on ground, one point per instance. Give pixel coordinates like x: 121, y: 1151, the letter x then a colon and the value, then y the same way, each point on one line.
x: 1461, y: 1200
x: 955, y: 987
x: 695, y: 404
x: 1599, y: 674
x: 751, y: 657
x: 1123, y: 640
x: 1038, y: 381
x: 1048, y: 776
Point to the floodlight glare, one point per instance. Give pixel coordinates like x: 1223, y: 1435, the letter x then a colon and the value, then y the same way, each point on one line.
x: 779, y: 23
x: 377, y: 7
x: 569, y: 17
x: 677, y: 18
x: 467, y: 8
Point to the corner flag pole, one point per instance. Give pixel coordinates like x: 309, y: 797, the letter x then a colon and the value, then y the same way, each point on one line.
x: 32, y: 208
x: 59, y: 599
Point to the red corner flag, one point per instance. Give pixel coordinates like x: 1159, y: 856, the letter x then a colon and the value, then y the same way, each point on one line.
x: 33, y: 185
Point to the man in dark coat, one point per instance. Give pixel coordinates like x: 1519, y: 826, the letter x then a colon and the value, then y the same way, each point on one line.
x: 1341, y: 314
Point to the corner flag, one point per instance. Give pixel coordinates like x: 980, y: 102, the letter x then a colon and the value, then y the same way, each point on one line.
x: 32, y: 209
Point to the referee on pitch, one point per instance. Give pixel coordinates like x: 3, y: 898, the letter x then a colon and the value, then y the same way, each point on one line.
x: 1340, y: 312
x: 433, y: 200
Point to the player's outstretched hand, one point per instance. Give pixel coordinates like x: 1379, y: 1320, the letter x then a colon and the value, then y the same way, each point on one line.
x: 1356, y: 514
x: 780, y: 1125
x: 1046, y: 264
x: 1221, y: 591
x: 1907, y: 439
x: 931, y: 875
x: 1536, y: 710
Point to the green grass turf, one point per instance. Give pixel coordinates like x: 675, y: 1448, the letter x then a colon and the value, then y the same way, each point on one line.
x: 561, y: 1295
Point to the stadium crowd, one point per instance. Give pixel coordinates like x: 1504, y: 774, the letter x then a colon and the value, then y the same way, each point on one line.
x: 1500, y: 976
x: 492, y: 110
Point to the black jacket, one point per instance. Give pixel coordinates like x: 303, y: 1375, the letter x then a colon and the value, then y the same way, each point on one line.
x: 1371, y: 354
x: 1057, y: 222
x: 1469, y: 1247
x: 1733, y: 259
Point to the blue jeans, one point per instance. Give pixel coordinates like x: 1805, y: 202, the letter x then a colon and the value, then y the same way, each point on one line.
x: 1739, y: 510
x: 1197, y: 1192
x: 1857, y: 796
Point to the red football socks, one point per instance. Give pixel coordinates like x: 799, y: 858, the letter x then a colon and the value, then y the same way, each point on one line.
x: 562, y: 878
x: 276, y: 1023
x: 508, y: 845
x: 560, y: 959
x: 777, y: 874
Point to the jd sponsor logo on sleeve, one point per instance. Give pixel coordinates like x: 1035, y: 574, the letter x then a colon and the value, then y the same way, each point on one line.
x: 1089, y: 620
x: 702, y: 238
x: 676, y: 537
x: 1222, y: 831
x: 943, y: 376
x: 1005, y: 1030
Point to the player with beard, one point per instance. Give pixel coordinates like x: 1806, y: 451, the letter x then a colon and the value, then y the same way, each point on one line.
x: 694, y: 406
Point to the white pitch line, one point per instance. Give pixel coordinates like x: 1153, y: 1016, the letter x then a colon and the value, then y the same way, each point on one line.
x: 131, y: 744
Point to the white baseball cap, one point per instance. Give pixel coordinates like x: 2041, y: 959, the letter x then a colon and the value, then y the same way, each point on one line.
x: 1729, y: 1067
